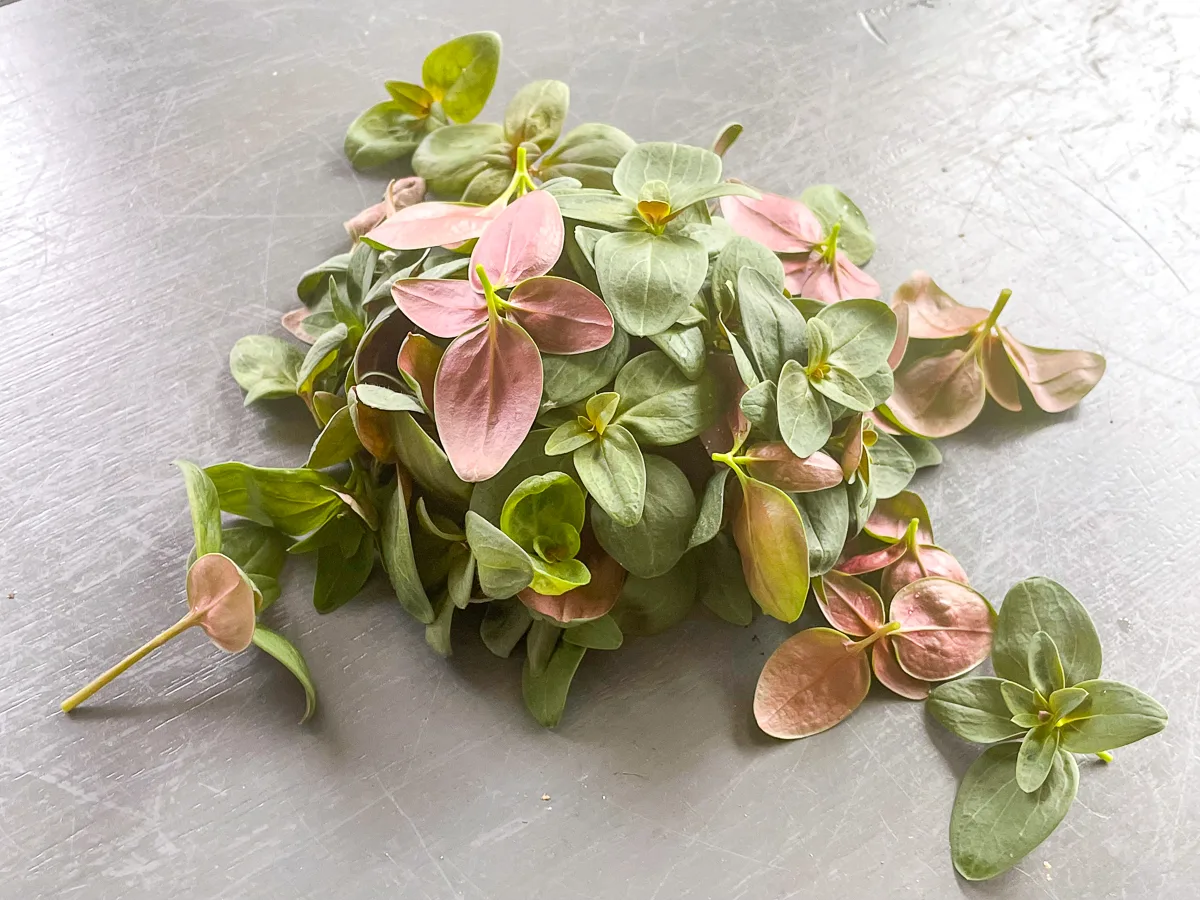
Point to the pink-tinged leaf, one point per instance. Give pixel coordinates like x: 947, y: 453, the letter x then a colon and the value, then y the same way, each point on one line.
x: 812, y: 277
x: 560, y: 315
x: 775, y: 464
x: 945, y: 629
x: 419, y: 358
x: 898, y: 349
x: 443, y: 308
x: 1057, y: 379
x: 889, y: 520
x: 487, y: 392
x: 590, y: 601
x: 887, y: 670
x: 778, y: 223
x: 731, y: 429
x: 770, y: 535
x: 400, y: 194
x: 939, y: 395
x: 432, y: 224
x: 525, y: 241
x: 999, y: 377
x: 293, y: 321
x: 813, y: 681
x: 882, y: 424
x: 871, y: 561
x: 853, y: 452
x: 224, y: 600
x: 933, y: 561
x: 849, y: 604
x: 932, y: 313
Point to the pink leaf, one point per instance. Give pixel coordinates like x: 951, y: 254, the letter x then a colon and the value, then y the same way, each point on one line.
x: 1057, y: 379
x: 932, y: 312
x: 938, y: 396
x: 432, y: 224
x: 901, y: 345
x: 778, y: 223
x: 889, y: 520
x: 443, y: 308
x: 999, y: 377
x: 525, y: 241
x: 775, y: 464
x: 560, y: 315
x: 813, y: 681
x: 945, y: 629
x: 891, y: 676
x: 223, y: 598
x: 871, y: 562
x: 487, y: 393
x: 419, y: 358
x: 813, y: 277
x: 849, y: 604
x: 906, y: 570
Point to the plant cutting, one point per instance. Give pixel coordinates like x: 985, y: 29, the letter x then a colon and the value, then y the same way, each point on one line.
x: 567, y: 388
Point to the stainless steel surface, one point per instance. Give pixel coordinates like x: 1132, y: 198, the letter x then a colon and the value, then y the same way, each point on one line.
x: 166, y: 172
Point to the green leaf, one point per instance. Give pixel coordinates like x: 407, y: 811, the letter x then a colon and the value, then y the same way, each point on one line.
x: 924, y: 452
x: 598, y: 634
x: 421, y: 455
x: 460, y: 578
x: 569, y: 379
x: 504, y: 624
x: 739, y: 253
x: 321, y: 356
x: 266, y: 368
x: 536, y: 113
x: 712, y: 509
x: 741, y: 359
x: 760, y: 405
x: 684, y: 198
x: 613, y: 470
x: 399, y: 562
x: 259, y: 551
x: 488, y: 497
x: 1020, y: 700
x: 382, y: 134
x: 1065, y: 700
x: 337, y: 442
x: 540, y: 643
x: 832, y: 207
x: 891, y: 466
x: 488, y: 184
x: 205, y: 506
x: 649, y: 606
x: 804, y: 419
x: 860, y: 498
x: 681, y: 167
x: 826, y: 516
x: 1036, y: 757
x: 536, y: 511
x: 296, y: 501
x: 600, y: 207
x: 503, y: 567
x: 385, y: 399
x: 275, y: 644
x: 461, y: 72
x: 589, y: 153
x: 773, y: 543
x: 879, y: 385
x: 314, y: 283
x: 570, y: 435
x: 1039, y: 604
x: 1114, y: 715
x: 862, y: 334
x: 659, y: 405
x: 450, y: 157
x: 546, y: 693
x: 340, y: 574
x: 656, y: 543
x: 413, y: 98
x: 974, y: 709
x: 995, y: 824
x: 1044, y: 666
x: 774, y: 329
x: 648, y: 280
x: 437, y: 632
x: 722, y: 586
x: 842, y: 387
x: 684, y: 345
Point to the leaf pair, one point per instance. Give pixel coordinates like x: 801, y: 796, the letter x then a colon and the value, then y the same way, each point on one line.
x: 457, y: 79
x: 815, y: 679
x: 545, y: 515
x: 905, y: 561
x: 942, y: 393
x: 815, y: 264
x: 489, y: 381
x: 1048, y: 693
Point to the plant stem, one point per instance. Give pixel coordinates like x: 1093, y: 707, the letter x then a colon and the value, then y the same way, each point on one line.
x: 731, y: 461
x: 830, y: 251
x: 153, y: 644
x: 889, y: 628
x: 1104, y: 757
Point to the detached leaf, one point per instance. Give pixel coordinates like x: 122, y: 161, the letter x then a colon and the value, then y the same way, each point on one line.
x: 974, y: 709
x: 296, y: 501
x: 461, y: 72
x: 889, y: 520
x: 1039, y: 604
x: 814, y: 680
x: 266, y: 368
x: 431, y: 224
x: 276, y: 645
x: 945, y: 628
x: 1114, y: 715
x: 995, y: 824
x: 889, y: 673
x: 771, y: 538
x: 1058, y: 379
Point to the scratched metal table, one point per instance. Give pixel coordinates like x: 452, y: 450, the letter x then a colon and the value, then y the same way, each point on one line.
x: 166, y: 172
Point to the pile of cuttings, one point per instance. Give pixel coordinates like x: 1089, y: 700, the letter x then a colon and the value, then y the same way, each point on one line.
x: 599, y: 382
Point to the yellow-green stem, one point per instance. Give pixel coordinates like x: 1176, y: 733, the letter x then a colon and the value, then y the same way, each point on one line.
x: 1104, y: 757
x: 889, y: 628
x: 153, y: 644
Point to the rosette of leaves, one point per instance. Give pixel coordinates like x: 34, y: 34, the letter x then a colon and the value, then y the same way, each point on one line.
x: 476, y: 162
x: 1046, y: 703
x: 232, y: 577
x: 943, y: 391
x: 457, y: 79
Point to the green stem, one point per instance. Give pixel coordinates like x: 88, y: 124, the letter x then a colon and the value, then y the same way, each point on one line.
x: 985, y: 328
x: 521, y: 182
x: 732, y: 462
x: 1104, y: 757
x: 174, y: 631
x: 889, y: 628
x: 830, y: 250
x: 495, y: 304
